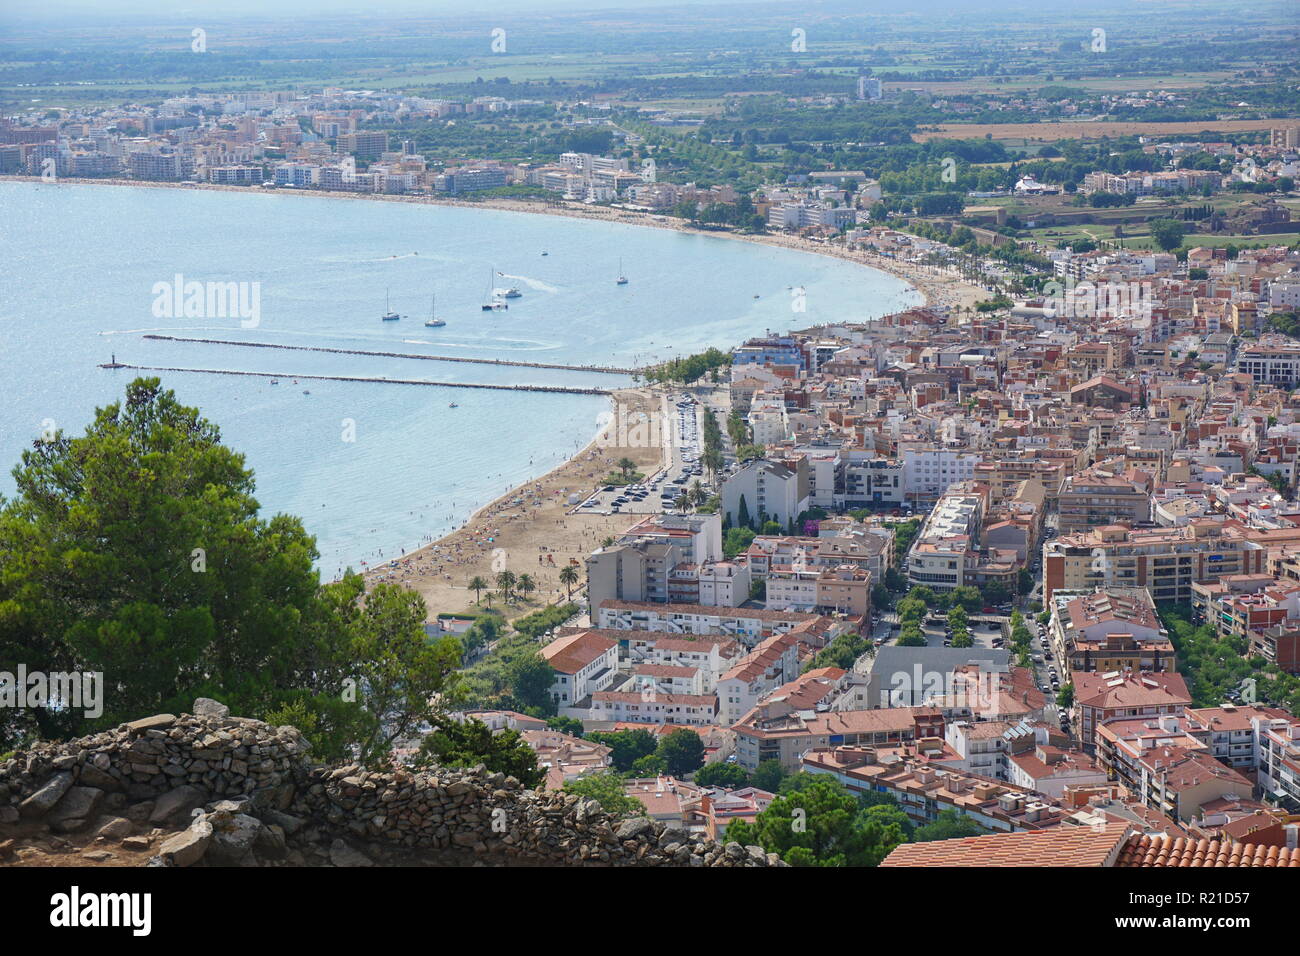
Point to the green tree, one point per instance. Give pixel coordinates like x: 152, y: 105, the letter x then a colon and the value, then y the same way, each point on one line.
x: 743, y: 519
x: 531, y: 679
x: 1065, y: 696
x: 737, y: 539
x: 400, y: 672
x: 566, y: 725
x: 949, y: 825
x: 137, y: 550
x: 569, y: 578
x: 768, y: 776
x: 821, y: 824
x: 651, y: 765
x: 626, y: 746
x: 606, y: 789
x: 468, y: 743
x: 1168, y: 233
x: 721, y: 774
x: 682, y: 752
x: 478, y: 584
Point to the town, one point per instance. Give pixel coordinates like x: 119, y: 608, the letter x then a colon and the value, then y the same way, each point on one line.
x: 1006, y: 576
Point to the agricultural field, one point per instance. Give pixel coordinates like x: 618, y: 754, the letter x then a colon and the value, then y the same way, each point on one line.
x: 1082, y: 129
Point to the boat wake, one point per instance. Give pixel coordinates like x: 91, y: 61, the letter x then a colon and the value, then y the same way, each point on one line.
x: 536, y: 284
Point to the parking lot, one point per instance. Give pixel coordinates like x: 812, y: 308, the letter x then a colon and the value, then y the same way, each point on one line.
x: 681, y: 434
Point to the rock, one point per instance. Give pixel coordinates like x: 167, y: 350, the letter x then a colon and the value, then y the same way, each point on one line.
x: 47, y: 796
x: 233, y: 839
x: 97, y: 856
x: 188, y: 847
x: 343, y: 855
x: 633, y: 828
x: 242, y: 805
x: 285, y: 821
x: 270, y: 844
x: 117, y: 828
x: 8, y: 815
x: 177, y: 804
x: 77, y: 806
x: 137, y: 727
x: 136, y: 843
x: 92, y: 776
x: 207, y: 707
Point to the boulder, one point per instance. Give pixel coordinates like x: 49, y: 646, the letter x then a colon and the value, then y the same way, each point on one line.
x: 633, y: 828
x: 343, y: 855
x: 117, y: 828
x: 187, y: 847
x: 158, y: 722
x: 233, y: 839
x: 76, y: 808
x: 176, y: 805
x: 47, y: 796
x: 207, y: 707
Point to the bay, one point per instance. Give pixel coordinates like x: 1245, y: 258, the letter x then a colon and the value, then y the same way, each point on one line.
x: 373, y: 469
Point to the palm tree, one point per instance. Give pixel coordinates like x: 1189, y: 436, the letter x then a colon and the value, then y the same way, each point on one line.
x: 626, y: 466
x: 505, y: 583
x: 569, y: 577
x: 526, y: 584
x: 477, y: 585
x: 696, y: 493
x: 681, y: 502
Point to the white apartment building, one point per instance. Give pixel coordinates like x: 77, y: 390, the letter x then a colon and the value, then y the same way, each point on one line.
x: 945, y: 553
x: 1271, y: 364
x: 768, y: 666
x: 792, y: 589
x: 711, y: 656
x: 929, y: 471
x: 584, y: 663
x: 747, y: 625
x: 724, y: 584
x: 1284, y: 294
x: 771, y: 491
x: 648, y: 706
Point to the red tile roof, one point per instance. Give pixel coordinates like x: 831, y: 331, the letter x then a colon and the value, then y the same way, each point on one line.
x: 1144, y: 850
x: 1059, y: 846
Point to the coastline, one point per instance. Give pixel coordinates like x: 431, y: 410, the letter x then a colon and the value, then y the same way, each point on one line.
x: 936, y: 290
x: 528, y: 529
x: 532, y: 519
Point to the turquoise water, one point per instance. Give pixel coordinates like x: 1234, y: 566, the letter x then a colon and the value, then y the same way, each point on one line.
x: 80, y: 263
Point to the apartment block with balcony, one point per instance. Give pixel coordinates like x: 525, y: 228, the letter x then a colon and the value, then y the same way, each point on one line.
x: 1165, y: 561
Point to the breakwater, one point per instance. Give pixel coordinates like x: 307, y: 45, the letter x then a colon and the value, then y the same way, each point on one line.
x: 554, y: 389
x: 605, y: 369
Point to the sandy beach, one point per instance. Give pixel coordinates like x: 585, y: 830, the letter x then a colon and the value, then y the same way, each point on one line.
x: 528, y: 530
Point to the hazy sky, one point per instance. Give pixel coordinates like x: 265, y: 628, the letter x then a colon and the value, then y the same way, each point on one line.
x: 33, y: 9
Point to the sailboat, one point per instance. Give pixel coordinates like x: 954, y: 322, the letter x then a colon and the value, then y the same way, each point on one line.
x: 494, y: 304
x: 622, y: 279
x: 389, y: 315
x: 433, y: 322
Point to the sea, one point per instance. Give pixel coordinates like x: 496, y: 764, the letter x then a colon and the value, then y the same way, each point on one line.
x: 374, y: 469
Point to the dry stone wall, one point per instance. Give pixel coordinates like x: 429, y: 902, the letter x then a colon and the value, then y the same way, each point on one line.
x: 238, y: 791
